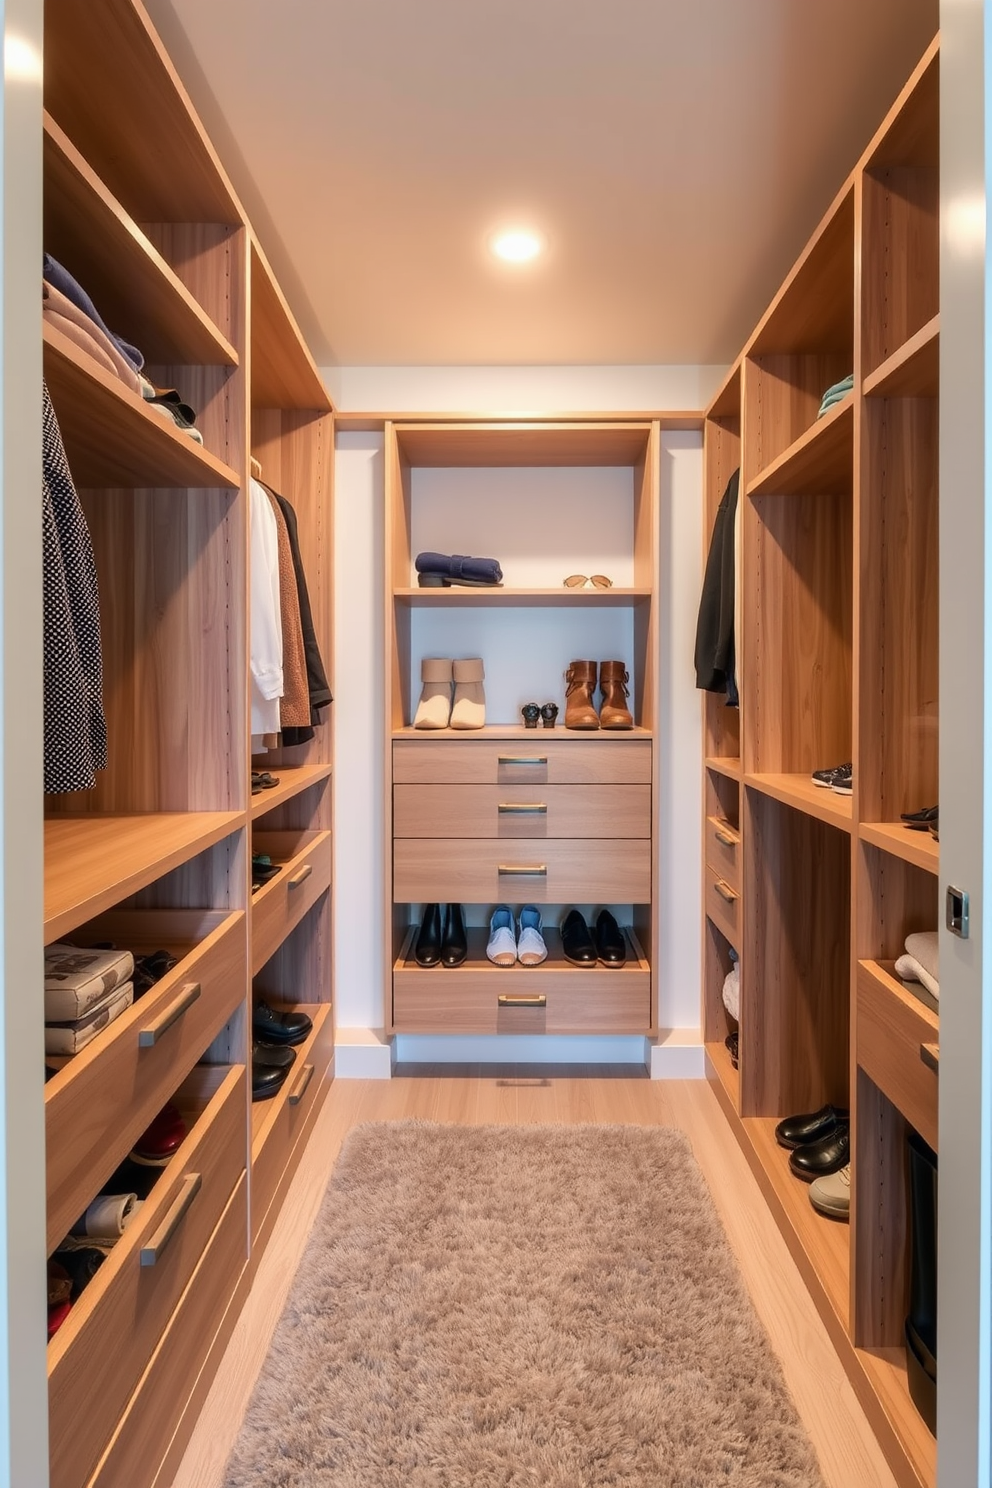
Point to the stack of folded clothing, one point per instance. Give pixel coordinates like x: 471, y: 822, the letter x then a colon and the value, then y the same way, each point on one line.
x: 84, y: 991
x: 435, y: 570
x: 83, y: 1251
x: 836, y: 394
x: 919, y: 961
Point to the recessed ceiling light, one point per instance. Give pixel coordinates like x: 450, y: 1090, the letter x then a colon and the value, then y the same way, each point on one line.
x: 516, y: 244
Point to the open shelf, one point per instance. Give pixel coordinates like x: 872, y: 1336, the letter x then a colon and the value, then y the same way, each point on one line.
x: 265, y: 1114
x: 719, y: 1057
x: 819, y: 462
x: 886, y: 1370
x: 913, y: 371
x: 525, y: 444
x: 283, y: 373
x: 292, y: 780
x: 517, y: 731
x: 133, y: 287
x: 918, y: 848
x: 523, y: 597
x: 799, y: 792
x: 724, y: 766
x: 93, y: 862
x: 112, y: 437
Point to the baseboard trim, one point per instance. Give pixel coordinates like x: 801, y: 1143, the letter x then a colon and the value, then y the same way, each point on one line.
x: 508, y: 1048
x: 678, y: 1054
x: 363, y: 1054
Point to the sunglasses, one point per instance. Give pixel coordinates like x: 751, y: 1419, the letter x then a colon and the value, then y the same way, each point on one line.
x: 579, y: 581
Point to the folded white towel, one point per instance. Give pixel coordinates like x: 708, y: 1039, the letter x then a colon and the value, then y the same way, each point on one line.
x: 923, y: 948
x: 732, y: 991
x: 910, y: 970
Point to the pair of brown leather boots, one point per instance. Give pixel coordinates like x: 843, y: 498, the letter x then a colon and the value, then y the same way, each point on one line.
x: 580, y: 712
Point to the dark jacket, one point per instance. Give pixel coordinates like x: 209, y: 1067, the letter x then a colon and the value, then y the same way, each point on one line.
x: 714, y: 657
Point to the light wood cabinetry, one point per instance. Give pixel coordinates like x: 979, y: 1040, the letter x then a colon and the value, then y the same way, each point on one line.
x: 507, y: 814
x: 138, y: 208
x: 838, y: 646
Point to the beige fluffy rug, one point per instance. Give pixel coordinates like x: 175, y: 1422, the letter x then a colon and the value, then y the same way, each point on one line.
x: 519, y: 1307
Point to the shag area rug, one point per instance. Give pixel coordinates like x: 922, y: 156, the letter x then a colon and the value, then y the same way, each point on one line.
x: 519, y: 1307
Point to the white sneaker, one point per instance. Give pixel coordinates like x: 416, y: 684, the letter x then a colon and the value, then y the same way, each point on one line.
x: 502, y: 947
x: 531, y: 950
x: 831, y: 1194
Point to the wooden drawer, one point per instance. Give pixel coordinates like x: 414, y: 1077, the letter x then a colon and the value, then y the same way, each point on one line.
x: 514, y: 811
x: 280, y: 905
x: 279, y: 1125
x: 892, y: 1029
x: 99, y: 1354
x: 563, y: 871
x: 723, y: 848
x: 106, y: 1095
x: 145, y: 1434
x: 723, y: 906
x: 539, y: 759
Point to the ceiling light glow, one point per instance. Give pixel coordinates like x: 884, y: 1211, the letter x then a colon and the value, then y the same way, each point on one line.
x: 516, y: 245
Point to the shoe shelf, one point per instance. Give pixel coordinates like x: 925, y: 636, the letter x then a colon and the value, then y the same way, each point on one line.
x: 112, y: 437
x: 522, y: 597
x: 304, y: 860
x: 728, y: 766
x: 913, y: 371
x: 918, y: 848
x: 723, y: 1068
x: 799, y: 792
x: 89, y: 231
x: 885, y: 1369
x: 819, y: 462
x: 293, y: 779
x: 517, y: 732
x: 94, y: 861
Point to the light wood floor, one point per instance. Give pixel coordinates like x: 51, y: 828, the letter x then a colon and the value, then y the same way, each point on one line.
x: 836, y: 1424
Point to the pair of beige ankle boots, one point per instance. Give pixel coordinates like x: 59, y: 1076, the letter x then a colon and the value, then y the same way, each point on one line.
x: 438, y: 708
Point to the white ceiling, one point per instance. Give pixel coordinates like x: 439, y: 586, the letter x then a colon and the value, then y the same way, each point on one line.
x: 676, y: 155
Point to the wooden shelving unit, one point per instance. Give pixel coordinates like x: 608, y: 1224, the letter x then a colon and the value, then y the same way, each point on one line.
x: 838, y: 648
x: 293, y: 780
x: 519, y: 596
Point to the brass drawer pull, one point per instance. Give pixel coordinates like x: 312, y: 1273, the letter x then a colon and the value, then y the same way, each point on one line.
x: 725, y: 891
x: 520, y: 808
x: 300, y: 876
x: 726, y: 836
x: 521, y: 759
x: 156, y: 1247
x: 149, y: 1037
x: 299, y: 1090
x: 539, y: 870
x: 930, y: 1054
x: 522, y: 999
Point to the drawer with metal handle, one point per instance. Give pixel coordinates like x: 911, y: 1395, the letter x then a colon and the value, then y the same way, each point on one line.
x: 897, y: 1038
x: 475, y: 870
x: 537, y: 759
x: 722, y: 850
x: 521, y: 811
x: 723, y: 906
x: 304, y: 860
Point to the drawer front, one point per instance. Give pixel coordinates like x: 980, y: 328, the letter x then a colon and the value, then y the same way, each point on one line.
x: 538, y: 759
x: 145, y: 1434
x: 892, y: 1027
x: 515, y: 811
x: 723, y: 849
x: 563, y: 871
x: 280, y: 905
x: 119, y: 1320
x: 561, y: 1002
x: 723, y: 906
x: 284, y: 1119
x: 106, y: 1096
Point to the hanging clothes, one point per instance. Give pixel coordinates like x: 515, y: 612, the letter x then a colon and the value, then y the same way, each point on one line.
x: 266, y: 618
x: 715, y: 658
x: 294, y: 706
x: 75, y: 725
x: 317, y: 685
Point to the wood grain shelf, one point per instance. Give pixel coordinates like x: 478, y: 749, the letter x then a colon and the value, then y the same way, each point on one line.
x: 799, y: 792
x: 719, y: 1057
x: 292, y: 780
x: 112, y: 437
x: 93, y: 862
x: 477, y: 963
x: 918, y: 848
x: 913, y: 371
x: 517, y: 731
x: 524, y: 444
x: 283, y: 373
x: 886, y: 1370
x: 724, y: 765
x: 133, y: 286
x: 820, y: 462
x: 615, y: 598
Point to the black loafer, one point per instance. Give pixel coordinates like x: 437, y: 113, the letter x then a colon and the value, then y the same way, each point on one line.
x: 427, y: 951
x: 279, y: 1056
x: 820, y: 1158
x: 799, y: 1131
x: 453, y: 945
x: 576, y: 942
x: 918, y: 821
x: 610, y: 944
x: 266, y: 1080
x: 274, y: 1027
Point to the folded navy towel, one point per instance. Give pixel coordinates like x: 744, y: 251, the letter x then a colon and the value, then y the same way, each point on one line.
x: 54, y: 273
x: 460, y: 567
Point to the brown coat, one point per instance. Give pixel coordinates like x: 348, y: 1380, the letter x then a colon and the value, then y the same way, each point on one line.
x: 294, y: 706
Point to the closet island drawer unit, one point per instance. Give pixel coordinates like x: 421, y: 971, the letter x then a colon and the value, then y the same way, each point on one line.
x: 105, y: 1096
x: 894, y: 1030
x: 98, y: 1356
x: 304, y: 860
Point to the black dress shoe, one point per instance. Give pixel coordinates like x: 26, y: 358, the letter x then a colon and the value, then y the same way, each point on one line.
x: 427, y: 951
x: 919, y: 821
x: 453, y: 945
x: 274, y: 1027
x: 280, y: 1056
x: 610, y: 944
x: 798, y: 1131
x: 576, y: 942
x: 825, y: 1156
x: 266, y: 1080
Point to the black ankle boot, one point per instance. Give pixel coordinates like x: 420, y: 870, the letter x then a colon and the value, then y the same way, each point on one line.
x: 453, y: 946
x: 427, y: 951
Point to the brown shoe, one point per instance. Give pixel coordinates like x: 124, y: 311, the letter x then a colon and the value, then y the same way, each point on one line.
x: 580, y: 680
x: 613, y: 679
